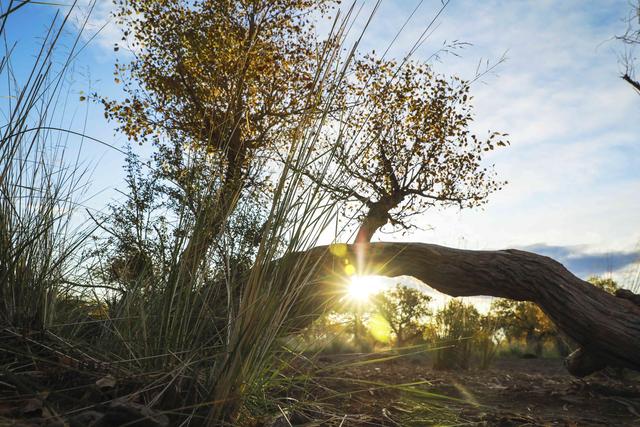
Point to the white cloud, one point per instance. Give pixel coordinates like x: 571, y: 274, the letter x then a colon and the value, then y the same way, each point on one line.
x: 99, y: 25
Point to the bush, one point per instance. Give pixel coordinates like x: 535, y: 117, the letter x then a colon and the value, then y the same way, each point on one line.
x: 486, y: 342
x: 453, y: 330
x: 462, y: 337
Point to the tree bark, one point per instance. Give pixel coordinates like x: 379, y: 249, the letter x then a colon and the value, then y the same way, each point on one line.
x: 377, y: 217
x: 606, y: 327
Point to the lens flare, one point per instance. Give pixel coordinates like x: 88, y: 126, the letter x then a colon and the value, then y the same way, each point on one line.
x: 380, y: 329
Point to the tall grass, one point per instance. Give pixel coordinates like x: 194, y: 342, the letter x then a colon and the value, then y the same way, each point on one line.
x: 214, y: 344
x: 211, y: 349
x: 39, y: 186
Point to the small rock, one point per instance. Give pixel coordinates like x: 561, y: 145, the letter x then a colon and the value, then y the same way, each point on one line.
x: 106, y: 382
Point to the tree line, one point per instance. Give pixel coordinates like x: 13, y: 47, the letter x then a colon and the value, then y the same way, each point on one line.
x: 457, y: 334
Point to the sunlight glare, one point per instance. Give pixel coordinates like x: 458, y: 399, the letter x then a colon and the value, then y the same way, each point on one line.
x: 362, y: 287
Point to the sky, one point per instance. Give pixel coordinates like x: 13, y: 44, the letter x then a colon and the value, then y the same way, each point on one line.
x: 573, y: 166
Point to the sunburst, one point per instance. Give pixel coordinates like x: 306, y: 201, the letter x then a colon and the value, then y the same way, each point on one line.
x: 361, y: 288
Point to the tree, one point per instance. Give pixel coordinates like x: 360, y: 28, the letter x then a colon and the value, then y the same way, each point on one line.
x: 405, y: 145
x: 605, y: 327
x: 631, y: 38
x: 524, y: 320
x: 405, y: 310
x: 213, y: 84
x: 135, y: 246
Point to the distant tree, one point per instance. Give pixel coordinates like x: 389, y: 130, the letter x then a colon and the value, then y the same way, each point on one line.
x: 405, y: 310
x: 606, y: 284
x: 524, y: 320
x: 135, y: 230
x: 406, y: 146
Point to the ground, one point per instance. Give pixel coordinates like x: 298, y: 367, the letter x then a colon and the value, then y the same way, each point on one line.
x: 44, y: 382
x: 513, y: 392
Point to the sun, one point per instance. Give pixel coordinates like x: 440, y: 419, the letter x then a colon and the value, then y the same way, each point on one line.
x: 361, y: 288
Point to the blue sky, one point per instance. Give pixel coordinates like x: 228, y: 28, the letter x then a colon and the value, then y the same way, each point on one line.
x: 574, y: 163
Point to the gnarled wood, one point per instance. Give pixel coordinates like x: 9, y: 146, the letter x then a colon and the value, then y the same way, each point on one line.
x: 580, y: 363
x: 606, y: 327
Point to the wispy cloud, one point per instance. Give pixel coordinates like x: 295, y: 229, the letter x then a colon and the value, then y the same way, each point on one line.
x: 99, y: 25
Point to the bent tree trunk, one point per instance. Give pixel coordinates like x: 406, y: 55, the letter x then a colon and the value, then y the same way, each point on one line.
x: 606, y: 327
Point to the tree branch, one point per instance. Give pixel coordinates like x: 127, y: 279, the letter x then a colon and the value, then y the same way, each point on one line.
x: 606, y: 327
x: 632, y: 82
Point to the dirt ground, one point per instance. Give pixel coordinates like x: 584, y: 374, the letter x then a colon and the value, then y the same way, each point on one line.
x: 40, y: 388
x: 513, y: 392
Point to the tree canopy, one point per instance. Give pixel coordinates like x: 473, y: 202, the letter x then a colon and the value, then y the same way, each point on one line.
x: 405, y: 145
x: 404, y: 309
x: 217, y: 87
